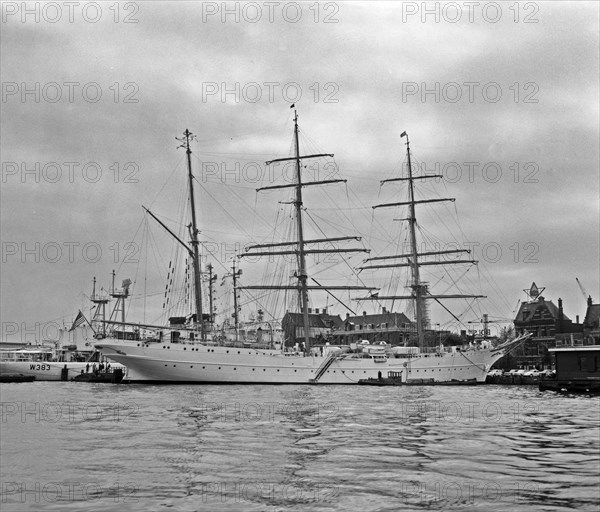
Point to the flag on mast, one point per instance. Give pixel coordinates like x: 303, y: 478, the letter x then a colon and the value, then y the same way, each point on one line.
x: 79, y: 320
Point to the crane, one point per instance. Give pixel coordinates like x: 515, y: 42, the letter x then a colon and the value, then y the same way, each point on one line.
x: 583, y: 290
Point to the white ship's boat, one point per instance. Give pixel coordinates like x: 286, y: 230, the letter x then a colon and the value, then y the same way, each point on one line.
x: 194, y: 353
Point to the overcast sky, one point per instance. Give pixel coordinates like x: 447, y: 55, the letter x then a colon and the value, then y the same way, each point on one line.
x: 502, y: 98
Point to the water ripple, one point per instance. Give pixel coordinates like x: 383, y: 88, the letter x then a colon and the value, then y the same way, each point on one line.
x: 76, y: 447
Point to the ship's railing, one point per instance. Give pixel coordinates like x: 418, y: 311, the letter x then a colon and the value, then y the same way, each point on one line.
x: 366, y: 329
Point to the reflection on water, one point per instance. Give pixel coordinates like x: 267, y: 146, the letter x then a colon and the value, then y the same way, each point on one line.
x: 68, y: 446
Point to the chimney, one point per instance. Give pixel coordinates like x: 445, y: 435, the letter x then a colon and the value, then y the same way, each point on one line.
x: 347, y: 316
x: 384, y: 310
x: 576, y: 319
x: 560, y: 316
x: 589, y: 301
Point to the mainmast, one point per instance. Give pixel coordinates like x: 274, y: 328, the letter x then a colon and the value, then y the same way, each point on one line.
x: 302, y: 277
x: 194, y: 236
x: 300, y: 249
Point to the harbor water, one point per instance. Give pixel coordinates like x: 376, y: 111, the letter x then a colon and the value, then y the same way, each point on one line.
x: 68, y: 446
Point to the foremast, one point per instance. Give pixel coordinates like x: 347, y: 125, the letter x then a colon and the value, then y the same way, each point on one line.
x: 419, y: 291
x: 194, y: 250
x: 194, y: 237
x: 300, y: 250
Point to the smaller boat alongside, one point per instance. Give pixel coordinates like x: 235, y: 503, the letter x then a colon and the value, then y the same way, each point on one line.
x: 109, y: 376
x: 72, y: 355
x: 45, y: 363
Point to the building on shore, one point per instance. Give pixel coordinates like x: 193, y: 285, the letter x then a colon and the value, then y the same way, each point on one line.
x: 550, y: 326
x: 591, y: 323
x: 393, y: 328
x: 320, y: 326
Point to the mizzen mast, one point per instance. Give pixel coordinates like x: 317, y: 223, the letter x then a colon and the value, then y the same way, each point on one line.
x: 419, y: 289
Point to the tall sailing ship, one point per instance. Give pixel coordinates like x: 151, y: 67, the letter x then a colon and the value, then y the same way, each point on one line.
x: 197, y: 353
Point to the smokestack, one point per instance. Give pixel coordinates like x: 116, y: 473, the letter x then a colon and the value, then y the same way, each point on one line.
x: 560, y: 315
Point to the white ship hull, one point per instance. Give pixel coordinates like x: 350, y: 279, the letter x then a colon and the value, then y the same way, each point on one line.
x: 176, y: 362
x: 41, y: 370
